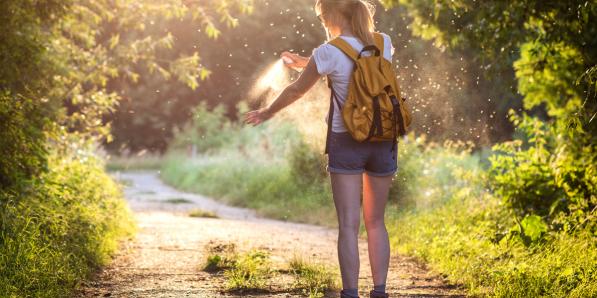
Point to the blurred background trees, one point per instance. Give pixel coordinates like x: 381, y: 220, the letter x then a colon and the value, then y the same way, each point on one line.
x: 60, y: 58
x: 450, y: 96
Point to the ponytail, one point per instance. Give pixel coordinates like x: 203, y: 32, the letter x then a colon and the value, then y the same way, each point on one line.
x: 362, y: 21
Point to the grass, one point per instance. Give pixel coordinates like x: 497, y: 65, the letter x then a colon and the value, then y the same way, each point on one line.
x: 65, y: 227
x: 133, y: 163
x: 438, y: 211
x: 125, y: 182
x: 178, y: 201
x: 253, y: 272
x: 460, y: 240
x: 246, y: 271
x: 439, y: 208
x: 202, y: 213
x: 313, y: 280
x: 220, y: 256
x: 146, y: 192
x: 269, y: 188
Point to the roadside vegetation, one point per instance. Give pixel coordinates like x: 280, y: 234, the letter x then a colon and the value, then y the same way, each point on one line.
x: 254, y: 272
x: 61, y: 215
x: 139, y: 162
x: 61, y: 229
x: 202, y: 213
x: 260, y: 168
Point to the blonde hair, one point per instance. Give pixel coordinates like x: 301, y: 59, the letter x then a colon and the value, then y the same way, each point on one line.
x: 359, y: 13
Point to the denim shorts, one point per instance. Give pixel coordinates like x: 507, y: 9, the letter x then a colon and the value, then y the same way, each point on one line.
x: 348, y: 156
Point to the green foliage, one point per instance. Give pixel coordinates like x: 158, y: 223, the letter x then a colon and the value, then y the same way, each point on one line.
x: 24, y: 111
x: 426, y: 171
x: 25, y: 65
x: 220, y: 257
x: 256, y: 161
x: 135, y: 162
x: 307, y: 164
x: 251, y: 270
x: 61, y: 229
x: 58, y: 58
x: 202, y: 213
x: 552, y: 49
x: 22, y: 140
x: 547, y: 75
x: 552, y: 45
x: 156, y: 106
x: 549, y: 176
x: 532, y: 228
x: 468, y: 236
x: 115, y: 34
x: 312, y: 279
x: 61, y: 214
x: 464, y: 239
x: 496, y: 29
x: 208, y: 129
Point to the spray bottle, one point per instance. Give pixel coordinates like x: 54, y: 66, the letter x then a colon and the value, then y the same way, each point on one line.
x: 288, y: 60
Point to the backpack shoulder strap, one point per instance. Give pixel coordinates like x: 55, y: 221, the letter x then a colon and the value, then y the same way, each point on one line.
x: 379, y: 42
x: 345, y: 47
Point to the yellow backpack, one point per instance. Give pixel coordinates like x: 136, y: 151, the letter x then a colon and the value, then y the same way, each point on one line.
x: 374, y: 110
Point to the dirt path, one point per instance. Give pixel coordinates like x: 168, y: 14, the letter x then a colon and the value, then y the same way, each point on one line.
x: 165, y: 258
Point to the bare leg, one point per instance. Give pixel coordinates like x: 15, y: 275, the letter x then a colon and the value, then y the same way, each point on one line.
x: 375, y: 197
x: 346, y: 190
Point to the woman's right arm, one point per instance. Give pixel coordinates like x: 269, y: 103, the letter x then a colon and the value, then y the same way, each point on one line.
x: 291, y: 93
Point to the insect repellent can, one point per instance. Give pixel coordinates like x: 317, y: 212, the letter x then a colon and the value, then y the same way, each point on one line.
x: 287, y: 60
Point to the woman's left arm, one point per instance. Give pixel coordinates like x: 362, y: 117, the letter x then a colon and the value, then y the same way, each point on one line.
x: 291, y: 93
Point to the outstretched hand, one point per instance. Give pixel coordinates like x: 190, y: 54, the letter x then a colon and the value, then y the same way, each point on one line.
x: 257, y: 117
x: 291, y: 93
x: 298, y: 61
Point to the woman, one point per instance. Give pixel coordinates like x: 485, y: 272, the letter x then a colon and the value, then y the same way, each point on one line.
x: 354, y: 167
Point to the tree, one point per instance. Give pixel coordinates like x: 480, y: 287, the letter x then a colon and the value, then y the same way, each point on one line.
x: 551, y: 46
x: 444, y: 88
x: 58, y: 57
x: 153, y: 107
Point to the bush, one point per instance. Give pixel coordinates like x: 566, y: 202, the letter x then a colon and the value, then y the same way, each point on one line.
x: 307, y: 166
x: 426, y: 171
x: 60, y: 229
x: 259, y: 167
x: 467, y: 238
x: 545, y: 174
x: 22, y: 141
x: 465, y: 248
x: 207, y: 130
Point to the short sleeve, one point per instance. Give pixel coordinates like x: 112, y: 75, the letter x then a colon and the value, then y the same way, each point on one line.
x: 388, y: 47
x: 324, y: 59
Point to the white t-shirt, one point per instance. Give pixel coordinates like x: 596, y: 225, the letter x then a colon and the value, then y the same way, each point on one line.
x: 333, y: 62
